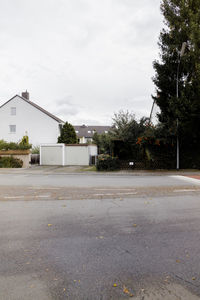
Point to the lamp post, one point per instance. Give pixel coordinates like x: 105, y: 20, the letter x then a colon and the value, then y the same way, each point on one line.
x: 180, y: 54
x: 151, y: 112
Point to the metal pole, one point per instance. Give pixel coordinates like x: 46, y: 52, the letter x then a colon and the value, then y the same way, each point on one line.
x: 177, y: 148
x: 177, y: 137
x: 151, y: 111
x: 180, y: 54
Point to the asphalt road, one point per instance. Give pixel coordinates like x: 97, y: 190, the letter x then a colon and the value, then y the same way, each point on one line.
x: 98, y: 237
x: 87, y: 180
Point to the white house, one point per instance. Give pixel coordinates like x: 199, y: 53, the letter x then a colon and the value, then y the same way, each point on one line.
x: 85, y: 133
x: 19, y: 116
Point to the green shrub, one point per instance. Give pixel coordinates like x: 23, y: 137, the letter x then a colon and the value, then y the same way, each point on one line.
x: 24, y: 141
x: 23, y: 145
x: 106, y: 162
x: 35, y: 150
x: 10, y: 162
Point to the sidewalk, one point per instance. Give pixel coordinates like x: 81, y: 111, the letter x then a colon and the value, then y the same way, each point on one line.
x: 58, y: 170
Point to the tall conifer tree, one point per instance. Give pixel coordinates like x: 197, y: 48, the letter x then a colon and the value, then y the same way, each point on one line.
x: 182, y: 24
x: 68, y: 134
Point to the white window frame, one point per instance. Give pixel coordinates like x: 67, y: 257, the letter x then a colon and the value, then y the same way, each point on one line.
x: 12, y: 128
x: 13, y: 111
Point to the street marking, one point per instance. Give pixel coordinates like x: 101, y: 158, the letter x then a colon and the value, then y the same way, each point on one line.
x: 184, y: 190
x: 13, y: 197
x: 114, y: 189
x: 43, y: 188
x: 19, y: 197
x: 189, y: 179
x: 109, y: 194
x: 42, y: 196
x: 133, y: 193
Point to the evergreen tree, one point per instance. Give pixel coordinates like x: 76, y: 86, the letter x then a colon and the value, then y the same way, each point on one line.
x: 182, y: 20
x: 68, y: 134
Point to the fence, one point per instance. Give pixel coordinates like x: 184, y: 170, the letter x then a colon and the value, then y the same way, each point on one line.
x: 146, y: 164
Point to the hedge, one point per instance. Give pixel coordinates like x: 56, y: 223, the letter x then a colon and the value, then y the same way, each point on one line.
x: 14, y: 146
x: 106, y: 162
x: 10, y: 162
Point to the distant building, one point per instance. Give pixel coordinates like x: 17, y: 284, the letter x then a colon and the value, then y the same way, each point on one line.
x: 19, y: 116
x: 85, y: 133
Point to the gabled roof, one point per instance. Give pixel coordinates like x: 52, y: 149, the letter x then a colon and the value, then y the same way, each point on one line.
x: 36, y: 106
x: 83, y: 130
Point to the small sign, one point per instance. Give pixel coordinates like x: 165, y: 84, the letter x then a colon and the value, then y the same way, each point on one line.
x: 131, y: 163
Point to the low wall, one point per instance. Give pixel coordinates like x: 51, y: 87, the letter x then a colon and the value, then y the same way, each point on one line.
x: 24, y: 155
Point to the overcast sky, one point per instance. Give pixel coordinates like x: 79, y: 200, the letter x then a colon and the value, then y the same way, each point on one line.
x: 82, y: 60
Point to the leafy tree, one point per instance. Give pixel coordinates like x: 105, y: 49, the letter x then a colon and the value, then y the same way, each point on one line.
x: 182, y: 20
x: 126, y: 127
x: 68, y: 134
x: 104, y: 142
x: 121, y: 141
x: 121, y: 124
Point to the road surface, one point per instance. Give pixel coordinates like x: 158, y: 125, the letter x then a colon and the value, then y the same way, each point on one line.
x: 89, y: 237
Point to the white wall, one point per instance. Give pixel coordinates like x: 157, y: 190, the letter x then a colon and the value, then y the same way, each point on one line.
x: 93, y: 151
x: 51, y: 155
x: 39, y: 127
x: 66, y: 155
x: 76, y: 155
x: 82, y: 140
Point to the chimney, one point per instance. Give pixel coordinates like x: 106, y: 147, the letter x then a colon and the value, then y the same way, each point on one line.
x: 25, y: 95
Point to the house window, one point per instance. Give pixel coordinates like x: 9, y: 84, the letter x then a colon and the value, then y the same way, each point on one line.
x: 12, y: 128
x: 13, y: 111
x: 88, y: 140
x: 60, y: 127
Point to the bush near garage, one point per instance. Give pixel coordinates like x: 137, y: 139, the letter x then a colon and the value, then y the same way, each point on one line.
x: 10, y: 162
x: 35, y: 150
x: 22, y: 145
x: 106, y: 162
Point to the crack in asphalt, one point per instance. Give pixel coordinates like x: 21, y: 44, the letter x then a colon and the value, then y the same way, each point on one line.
x: 187, y: 281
